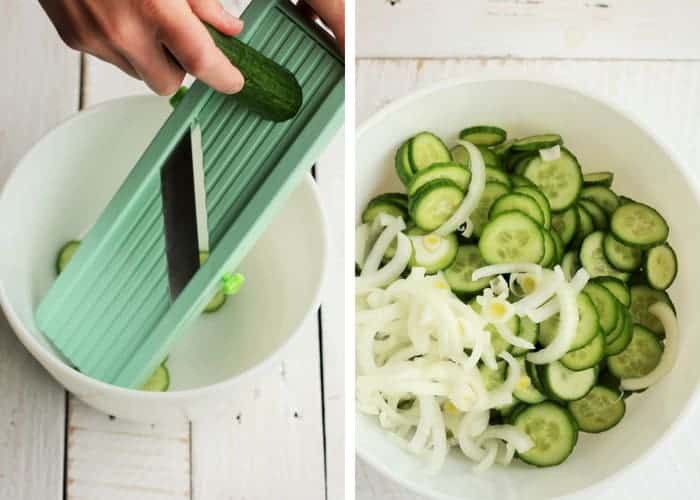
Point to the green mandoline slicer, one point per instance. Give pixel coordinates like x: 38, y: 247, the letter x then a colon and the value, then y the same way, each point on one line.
x: 117, y: 308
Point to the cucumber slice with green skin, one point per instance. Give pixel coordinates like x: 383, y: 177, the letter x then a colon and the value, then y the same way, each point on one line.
x: 514, y: 158
x: 565, y: 384
x: 492, y: 378
x: 541, y: 200
x: 588, y: 356
x: 642, y: 297
x: 517, y: 201
x: 604, y: 179
x: 617, y: 287
x: 640, y: 357
x: 503, y: 148
x: 552, y: 429
x: 496, y: 175
x: 622, y: 257
x: 558, y: 246
x: 433, y: 252
x: 219, y: 299
x: 586, y: 330
x: 525, y: 390
x: 533, y: 373
x: 512, y: 237
x: 178, y: 96
x: 426, y: 149
x: 159, y: 381
x: 65, y: 254
x: 452, y: 171
x: 593, y: 258
x: 520, y: 181
x: 499, y: 344
x: 519, y: 168
x: 621, y: 341
x: 402, y: 164
x: 480, y: 215
x: 459, y: 273
x: 434, y: 203
x: 566, y: 224
x: 460, y: 155
x: 570, y: 264
x: 483, y: 135
x: 490, y: 158
x: 605, y: 303
x: 529, y: 331
x: 559, y: 180
x: 398, y: 198
x: 585, y: 226
x: 537, y: 142
x: 391, y: 250
x: 612, y: 335
x: 384, y: 204
x: 624, y: 200
x: 638, y: 225
x: 550, y: 249
x: 601, y: 409
x: 602, y: 196
x: 600, y: 218
x: 661, y: 266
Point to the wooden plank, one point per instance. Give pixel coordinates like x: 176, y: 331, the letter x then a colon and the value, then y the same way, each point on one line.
x: 608, y: 29
x: 32, y: 408
x: 674, y: 114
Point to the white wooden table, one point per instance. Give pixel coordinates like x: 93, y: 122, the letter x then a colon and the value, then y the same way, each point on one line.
x: 284, y: 435
x: 645, y: 56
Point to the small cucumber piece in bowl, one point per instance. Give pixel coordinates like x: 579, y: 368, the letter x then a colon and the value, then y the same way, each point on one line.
x: 541, y: 200
x: 432, y: 252
x: 598, y: 179
x: 565, y: 384
x: 520, y: 202
x: 65, y: 254
x: 638, y: 225
x: 483, y: 135
x: 426, y: 149
x: 512, y: 237
x: 459, y: 273
x: 394, y: 204
x: 537, y: 142
x: 660, y: 266
x: 601, y: 409
x: 587, y: 356
x: 559, y: 180
x: 641, y: 298
x: 520, y: 181
x: 480, y: 215
x: 566, y: 224
x: 605, y: 303
x: 525, y: 390
x: 621, y: 256
x: 639, y: 358
x: 601, y: 196
x: 550, y: 249
x: 402, y: 164
x: 552, y: 429
x: 434, y: 202
x: 600, y: 218
x: 159, y: 381
x: 497, y: 175
x: 587, y: 327
x: 617, y: 287
x: 593, y: 258
x: 219, y: 299
x: 451, y: 170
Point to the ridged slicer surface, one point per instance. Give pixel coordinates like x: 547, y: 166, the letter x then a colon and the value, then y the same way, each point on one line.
x: 109, y: 312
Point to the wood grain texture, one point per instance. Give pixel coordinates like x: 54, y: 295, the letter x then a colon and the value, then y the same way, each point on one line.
x: 607, y: 29
x: 663, y: 96
x: 39, y: 89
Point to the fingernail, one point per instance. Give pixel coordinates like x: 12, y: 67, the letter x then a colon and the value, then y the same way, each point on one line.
x: 237, y: 86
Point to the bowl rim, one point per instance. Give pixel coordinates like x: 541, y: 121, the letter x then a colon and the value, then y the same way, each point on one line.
x: 688, y: 406
x: 45, y: 357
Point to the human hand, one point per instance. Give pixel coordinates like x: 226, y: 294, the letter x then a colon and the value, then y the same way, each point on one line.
x: 332, y: 13
x: 154, y: 40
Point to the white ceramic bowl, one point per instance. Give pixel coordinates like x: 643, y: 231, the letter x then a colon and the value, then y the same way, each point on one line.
x: 57, y: 192
x: 603, y: 138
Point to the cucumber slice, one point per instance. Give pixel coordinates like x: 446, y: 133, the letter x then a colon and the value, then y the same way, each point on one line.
x: 537, y: 142
x: 434, y: 203
x: 618, y: 288
x: 385, y: 204
x: 426, y: 149
x: 534, y: 374
x: 492, y: 378
x: 517, y: 201
x: 601, y: 196
x: 219, y: 299
x: 459, y: 273
x: 585, y: 226
x: 433, y: 252
x: 452, y: 171
x: 515, y: 158
x: 601, y: 409
x: 499, y: 344
x: 598, y: 179
x: 593, y: 258
x: 605, y: 303
x: 460, y: 155
x: 159, y: 381
x: 494, y: 174
x: 570, y: 264
x: 550, y: 249
x: 503, y: 148
x: 588, y: 356
x: 620, y: 342
x: 525, y: 390
x: 558, y: 246
x: 621, y: 256
x: 518, y: 181
x: 490, y: 158
x: 566, y: 224
x: 600, y: 218
x: 552, y: 429
x: 541, y: 200
x: 483, y: 135
x: 529, y: 331
x: 480, y: 215
x: 638, y: 225
x: 65, y: 254
x: 512, y: 237
x: 402, y: 164
x: 586, y: 330
x: 640, y: 357
x: 559, y: 180
x: 642, y: 297
x: 565, y: 384
x: 661, y: 266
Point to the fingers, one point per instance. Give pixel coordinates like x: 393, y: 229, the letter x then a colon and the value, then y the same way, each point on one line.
x: 332, y: 12
x: 155, y: 66
x: 181, y: 31
x: 113, y: 57
x: 212, y: 12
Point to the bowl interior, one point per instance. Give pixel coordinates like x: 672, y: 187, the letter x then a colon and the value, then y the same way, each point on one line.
x: 603, y: 139
x: 61, y: 187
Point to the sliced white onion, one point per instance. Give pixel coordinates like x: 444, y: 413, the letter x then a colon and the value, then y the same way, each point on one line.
x: 466, y: 441
x: 566, y: 330
x: 547, y: 288
x: 550, y: 154
x: 503, y: 394
x: 579, y: 280
x: 489, y: 458
x: 392, y: 226
x: 361, y: 244
x: 390, y: 271
x: 439, y: 439
x: 508, y: 433
x: 542, y: 313
x: 499, y: 286
x: 506, y: 454
x: 425, y: 424
x: 471, y: 199
x: 512, y: 339
x: 668, y: 358
x: 509, y: 268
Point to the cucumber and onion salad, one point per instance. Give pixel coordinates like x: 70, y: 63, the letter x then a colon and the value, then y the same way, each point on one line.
x: 506, y: 301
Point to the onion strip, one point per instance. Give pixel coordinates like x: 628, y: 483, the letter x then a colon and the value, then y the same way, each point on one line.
x: 566, y: 331
x: 509, y: 268
x: 389, y: 272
